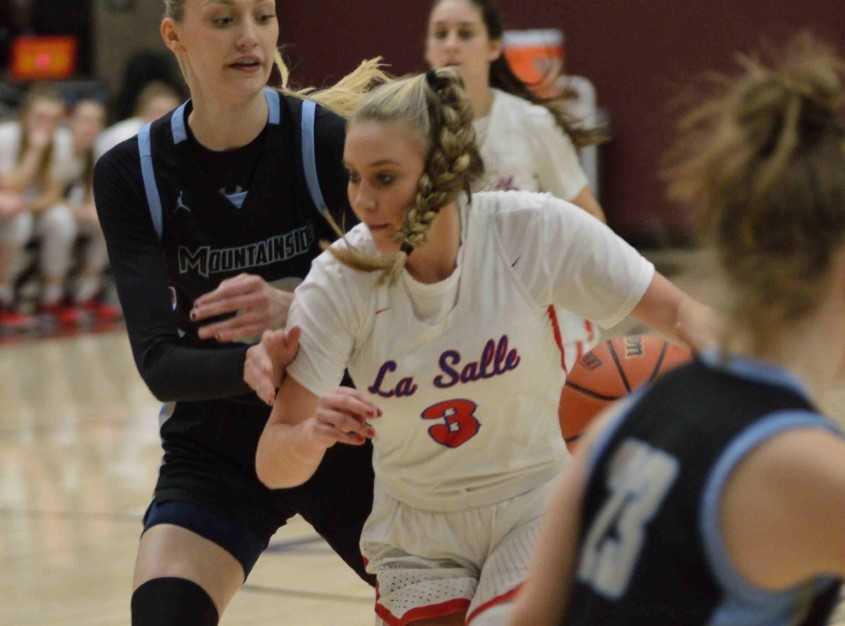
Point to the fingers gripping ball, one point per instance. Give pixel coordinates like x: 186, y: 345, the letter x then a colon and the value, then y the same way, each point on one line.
x: 611, y: 371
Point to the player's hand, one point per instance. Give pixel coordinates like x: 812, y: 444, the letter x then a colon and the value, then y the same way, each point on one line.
x: 265, y: 364
x: 255, y: 304
x: 342, y: 417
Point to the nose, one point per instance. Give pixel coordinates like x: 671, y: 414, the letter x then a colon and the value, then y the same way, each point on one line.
x: 452, y: 40
x: 248, y: 35
x: 363, y: 200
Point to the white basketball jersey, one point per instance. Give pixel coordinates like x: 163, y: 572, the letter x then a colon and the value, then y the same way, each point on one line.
x: 469, y: 394
x: 470, y: 402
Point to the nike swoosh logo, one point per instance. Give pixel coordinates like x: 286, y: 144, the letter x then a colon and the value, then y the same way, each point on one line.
x: 380, y: 311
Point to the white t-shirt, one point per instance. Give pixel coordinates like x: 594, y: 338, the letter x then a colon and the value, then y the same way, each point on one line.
x: 66, y: 166
x: 524, y: 148
x: 469, y: 391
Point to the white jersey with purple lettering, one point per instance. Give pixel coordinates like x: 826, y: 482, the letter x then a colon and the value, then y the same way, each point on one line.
x: 463, y: 369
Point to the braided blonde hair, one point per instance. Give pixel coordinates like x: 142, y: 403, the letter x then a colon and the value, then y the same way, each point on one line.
x: 434, y: 106
x: 763, y: 159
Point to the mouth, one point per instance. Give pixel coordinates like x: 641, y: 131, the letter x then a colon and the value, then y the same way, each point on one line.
x: 378, y: 228
x: 246, y: 64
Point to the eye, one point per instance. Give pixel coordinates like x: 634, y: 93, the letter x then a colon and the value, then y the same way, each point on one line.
x: 385, y: 180
x: 267, y: 17
x: 354, y: 179
x: 466, y: 34
x: 222, y: 22
x: 440, y: 34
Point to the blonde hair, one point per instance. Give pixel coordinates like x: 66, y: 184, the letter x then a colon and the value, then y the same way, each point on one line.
x: 342, y: 98
x: 434, y: 106
x: 763, y: 159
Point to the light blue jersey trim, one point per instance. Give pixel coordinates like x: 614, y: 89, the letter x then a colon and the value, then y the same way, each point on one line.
x: 758, y: 371
x: 309, y: 156
x: 274, y: 106
x: 177, y: 124
x: 746, y: 604
x: 145, y: 150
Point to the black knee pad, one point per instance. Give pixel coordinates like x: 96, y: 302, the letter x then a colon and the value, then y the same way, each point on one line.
x: 172, y: 602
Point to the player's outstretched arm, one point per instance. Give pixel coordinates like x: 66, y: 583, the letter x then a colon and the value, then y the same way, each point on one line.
x: 670, y: 311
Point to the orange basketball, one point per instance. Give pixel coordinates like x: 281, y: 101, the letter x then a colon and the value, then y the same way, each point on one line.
x: 610, y: 371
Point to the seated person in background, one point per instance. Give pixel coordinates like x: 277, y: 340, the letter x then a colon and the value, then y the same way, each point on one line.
x: 155, y: 100
x: 74, y: 217
x: 34, y: 156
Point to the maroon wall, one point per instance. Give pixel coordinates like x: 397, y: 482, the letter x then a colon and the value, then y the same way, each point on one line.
x: 638, y: 53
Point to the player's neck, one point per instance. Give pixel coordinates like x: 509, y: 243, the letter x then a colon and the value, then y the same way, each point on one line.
x: 221, y: 125
x: 804, y: 350
x: 437, y: 258
x: 481, y: 97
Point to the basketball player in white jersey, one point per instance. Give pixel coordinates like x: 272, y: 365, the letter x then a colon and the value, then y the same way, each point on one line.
x: 526, y: 143
x: 439, y: 313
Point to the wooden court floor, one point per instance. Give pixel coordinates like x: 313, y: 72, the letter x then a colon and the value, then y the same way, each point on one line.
x: 79, y: 453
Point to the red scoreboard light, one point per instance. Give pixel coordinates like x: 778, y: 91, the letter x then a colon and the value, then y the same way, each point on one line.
x: 43, y: 58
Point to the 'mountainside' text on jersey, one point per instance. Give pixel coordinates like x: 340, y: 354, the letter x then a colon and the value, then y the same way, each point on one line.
x: 651, y: 549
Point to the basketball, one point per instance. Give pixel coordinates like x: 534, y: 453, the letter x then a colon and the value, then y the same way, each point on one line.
x: 611, y: 371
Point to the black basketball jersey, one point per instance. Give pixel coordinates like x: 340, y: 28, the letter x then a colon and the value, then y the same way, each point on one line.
x: 211, y: 231
x: 177, y: 225
x: 650, y: 548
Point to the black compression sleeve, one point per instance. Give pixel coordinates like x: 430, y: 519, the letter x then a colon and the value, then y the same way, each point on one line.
x: 172, y: 371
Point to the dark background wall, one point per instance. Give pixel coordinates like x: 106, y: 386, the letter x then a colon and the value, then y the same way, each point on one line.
x: 638, y: 53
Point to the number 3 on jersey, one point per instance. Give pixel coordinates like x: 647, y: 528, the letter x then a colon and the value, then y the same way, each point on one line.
x: 459, y: 426
x: 638, y: 479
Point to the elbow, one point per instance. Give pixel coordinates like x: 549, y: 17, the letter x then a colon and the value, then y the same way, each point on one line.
x: 271, y: 473
x: 159, y: 387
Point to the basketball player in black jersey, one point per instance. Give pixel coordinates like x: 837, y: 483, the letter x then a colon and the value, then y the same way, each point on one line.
x: 717, y: 496
x: 209, y: 205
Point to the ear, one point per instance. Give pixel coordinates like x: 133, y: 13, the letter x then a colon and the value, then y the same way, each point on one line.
x: 170, y: 35
x: 495, y: 50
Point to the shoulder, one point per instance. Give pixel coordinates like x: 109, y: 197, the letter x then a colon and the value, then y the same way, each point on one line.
x: 330, y: 128
x: 514, y: 206
x: 326, y: 121
x: 119, y: 169
x: 335, y: 271
x: 523, y: 111
x: 526, y: 218
x: 122, y: 156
